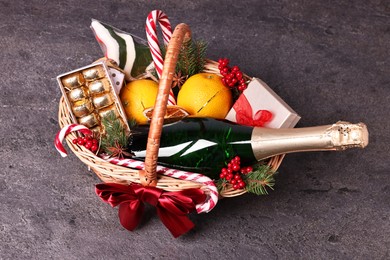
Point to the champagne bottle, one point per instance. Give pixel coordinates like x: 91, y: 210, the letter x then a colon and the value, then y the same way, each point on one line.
x: 205, y: 144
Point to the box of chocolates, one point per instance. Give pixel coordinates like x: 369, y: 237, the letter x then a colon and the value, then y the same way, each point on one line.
x: 91, y: 93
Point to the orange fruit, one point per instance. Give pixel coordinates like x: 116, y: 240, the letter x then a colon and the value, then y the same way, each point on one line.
x: 204, y: 95
x: 137, y: 96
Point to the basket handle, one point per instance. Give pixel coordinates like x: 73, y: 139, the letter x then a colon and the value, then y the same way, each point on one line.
x: 181, y: 34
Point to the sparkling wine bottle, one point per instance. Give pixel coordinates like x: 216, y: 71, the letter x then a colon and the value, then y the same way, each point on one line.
x: 205, y: 144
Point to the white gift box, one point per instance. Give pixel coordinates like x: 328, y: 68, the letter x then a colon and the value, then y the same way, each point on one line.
x: 261, y: 97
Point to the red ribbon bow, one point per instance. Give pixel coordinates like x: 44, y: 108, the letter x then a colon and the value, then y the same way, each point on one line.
x: 172, y: 207
x: 244, y: 113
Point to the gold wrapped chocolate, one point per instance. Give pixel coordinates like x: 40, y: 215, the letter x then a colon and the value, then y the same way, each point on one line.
x: 105, y: 111
x: 73, y: 80
x: 82, y: 108
x: 97, y: 129
x: 102, y: 101
x: 94, y: 73
x: 90, y: 94
x: 99, y: 86
x: 90, y: 120
x: 78, y: 94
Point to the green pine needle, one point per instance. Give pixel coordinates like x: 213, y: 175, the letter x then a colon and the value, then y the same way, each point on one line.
x: 259, y: 180
x: 221, y: 184
x: 191, y: 58
x: 115, y: 133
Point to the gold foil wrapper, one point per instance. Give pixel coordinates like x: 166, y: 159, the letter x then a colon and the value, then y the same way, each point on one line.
x: 82, y: 108
x: 90, y: 120
x: 78, y: 94
x: 97, y: 129
x: 94, y: 73
x: 102, y: 101
x: 99, y: 86
x: 106, y: 111
x: 90, y: 94
x: 73, y: 80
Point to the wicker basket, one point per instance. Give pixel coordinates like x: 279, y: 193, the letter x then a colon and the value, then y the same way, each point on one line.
x: 109, y: 172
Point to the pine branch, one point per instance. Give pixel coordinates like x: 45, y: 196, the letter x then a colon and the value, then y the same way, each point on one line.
x: 221, y: 184
x: 185, y: 58
x: 115, y: 134
x: 259, y: 180
x: 191, y: 58
x: 201, y: 48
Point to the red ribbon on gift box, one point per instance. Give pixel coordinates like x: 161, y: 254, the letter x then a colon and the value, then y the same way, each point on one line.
x: 244, y: 113
x: 172, y: 207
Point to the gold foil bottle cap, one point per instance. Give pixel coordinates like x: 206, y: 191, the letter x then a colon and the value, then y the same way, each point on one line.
x: 102, y: 101
x: 90, y: 120
x: 99, y: 86
x: 78, y: 94
x: 94, y: 73
x: 73, y: 80
x: 82, y: 108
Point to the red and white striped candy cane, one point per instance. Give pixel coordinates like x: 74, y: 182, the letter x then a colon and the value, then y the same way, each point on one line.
x: 64, y: 132
x: 151, y: 34
x: 205, y: 207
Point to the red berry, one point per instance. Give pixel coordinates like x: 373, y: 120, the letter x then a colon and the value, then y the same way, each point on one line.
x: 236, y: 167
x: 229, y: 176
x: 222, y: 175
x: 235, y: 69
x: 237, y: 159
x: 94, y: 141
x: 237, y: 177
x: 94, y: 148
x: 241, y: 185
x: 74, y: 141
x: 249, y: 169
x: 239, y: 75
x: 233, y: 181
x: 80, y: 142
x: 236, y: 186
x: 224, y: 63
x: 224, y: 81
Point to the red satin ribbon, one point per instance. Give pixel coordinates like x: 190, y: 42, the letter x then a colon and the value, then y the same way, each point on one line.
x: 244, y: 113
x: 172, y: 207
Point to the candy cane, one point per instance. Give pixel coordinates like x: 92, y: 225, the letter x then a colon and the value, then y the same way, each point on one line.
x: 205, y: 207
x: 64, y: 132
x: 151, y: 34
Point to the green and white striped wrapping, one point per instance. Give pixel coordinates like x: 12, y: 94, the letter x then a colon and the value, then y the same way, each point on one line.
x: 132, y: 56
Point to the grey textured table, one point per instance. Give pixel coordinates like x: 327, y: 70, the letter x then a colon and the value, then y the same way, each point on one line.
x: 328, y: 59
